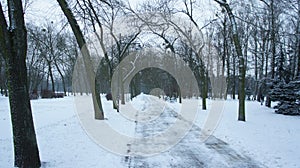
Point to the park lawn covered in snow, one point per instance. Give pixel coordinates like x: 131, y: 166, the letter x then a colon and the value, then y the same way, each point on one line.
x: 273, y: 139
x: 268, y: 138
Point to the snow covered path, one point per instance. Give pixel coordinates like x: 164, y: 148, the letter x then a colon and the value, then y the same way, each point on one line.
x: 190, y: 151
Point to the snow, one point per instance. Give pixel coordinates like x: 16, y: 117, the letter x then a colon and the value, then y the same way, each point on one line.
x: 269, y: 139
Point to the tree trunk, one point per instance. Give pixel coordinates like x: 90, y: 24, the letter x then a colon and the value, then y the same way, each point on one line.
x: 122, y: 88
x: 273, y: 39
x: 273, y: 49
x: 261, y: 66
x: 233, y: 78
x: 298, y: 71
x: 228, y: 73
x: 13, y: 43
x: 242, y: 69
x: 86, y: 57
x: 62, y: 78
x: 224, y: 58
x: 51, y: 77
x: 206, y: 78
x: 93, y: 14
x: 1, y: 79
x: 255, y: 65
x: 179, y: 96
x: 203, y: 93
x: 297, y: 74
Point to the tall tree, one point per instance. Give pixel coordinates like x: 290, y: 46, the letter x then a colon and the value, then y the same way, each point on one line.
x: 273, y: 17
x: 49, y: 46
x: 242, y: 68
x: 86, y: 57
x: 13, y: 45
x: 103, y: 18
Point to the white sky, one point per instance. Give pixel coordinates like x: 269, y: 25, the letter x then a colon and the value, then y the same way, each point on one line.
x: 47, y: 9
x: 42, y: 11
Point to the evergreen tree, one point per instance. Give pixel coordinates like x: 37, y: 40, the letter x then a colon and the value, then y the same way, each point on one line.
x: 288, y: 95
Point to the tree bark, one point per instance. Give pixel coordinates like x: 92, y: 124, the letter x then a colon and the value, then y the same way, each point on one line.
x: 273, y: 48
x: 51, y: 76
x: 13, y: 43
x: 86, y: 57
x: 233, y: 76
x: 297, y: 74
x: 255, y: 65
x: 62, y: 77
x: 204, y: 88
x: 1, y: 78
x: 228, y: 73
x: 205, y: 91
x: 224, y: 59
x: 273, y: 39
x: 242, y: 69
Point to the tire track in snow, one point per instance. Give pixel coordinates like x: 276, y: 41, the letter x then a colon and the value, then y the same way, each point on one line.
x: 190, y: 151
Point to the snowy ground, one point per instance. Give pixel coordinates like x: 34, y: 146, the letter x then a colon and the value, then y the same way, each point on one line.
x: 265, y: 140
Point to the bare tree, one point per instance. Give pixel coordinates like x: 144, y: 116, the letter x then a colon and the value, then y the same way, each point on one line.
x: 162, y: 19
x: 13, y: 45
x: 34, y: 62
x: 86, y: 57
x: 242, y: 69
x: 48, y: 47
x: 103, y: 18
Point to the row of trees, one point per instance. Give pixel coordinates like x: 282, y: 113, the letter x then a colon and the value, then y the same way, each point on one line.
x: 51, y: 56
x: 268, y: 31
x: 243, y: 48
x: 252, y: 46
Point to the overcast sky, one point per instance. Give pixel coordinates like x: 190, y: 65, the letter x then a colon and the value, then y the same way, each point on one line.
x: 39, y: 10
x: 49, y: 9
x: 42, y: 11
